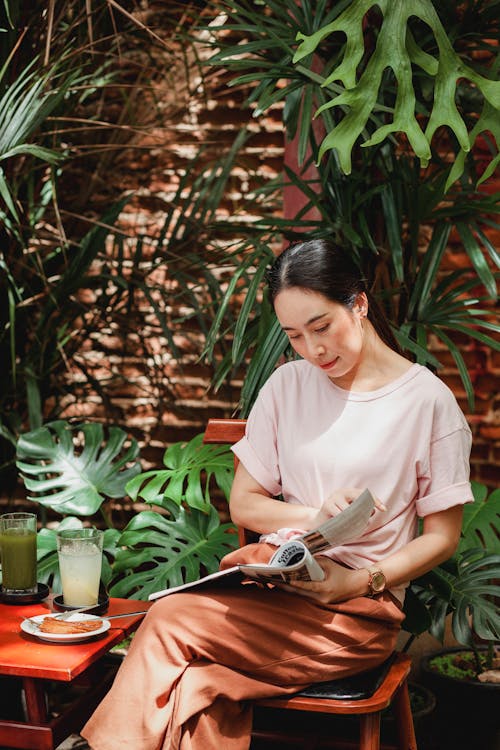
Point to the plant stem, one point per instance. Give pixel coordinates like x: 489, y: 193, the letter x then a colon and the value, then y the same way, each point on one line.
x: 106, y: 517
x: 477, y: 660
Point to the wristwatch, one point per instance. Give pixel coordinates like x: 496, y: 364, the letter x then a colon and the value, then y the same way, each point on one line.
x: 376, y: 581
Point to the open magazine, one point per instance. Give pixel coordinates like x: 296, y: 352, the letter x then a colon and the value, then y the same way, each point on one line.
x: 294, y: 560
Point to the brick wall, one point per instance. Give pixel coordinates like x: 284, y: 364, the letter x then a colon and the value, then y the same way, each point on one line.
x: 161, y: 399
x: 144, y: 388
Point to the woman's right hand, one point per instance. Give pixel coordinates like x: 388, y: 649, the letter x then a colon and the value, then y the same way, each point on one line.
x: 338, y: 501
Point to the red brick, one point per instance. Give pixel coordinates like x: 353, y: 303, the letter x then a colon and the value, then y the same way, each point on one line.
x: 453, y: 381
x: 488, y: 474
x: 481, y: 452
x: 473, y: 358
x: 490, y: 433
x: 495, y: 360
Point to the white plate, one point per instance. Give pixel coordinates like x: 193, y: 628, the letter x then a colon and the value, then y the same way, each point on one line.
x: 31, y: 627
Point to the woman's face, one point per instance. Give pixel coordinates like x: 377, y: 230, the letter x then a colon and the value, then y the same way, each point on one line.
x: 326, y: 334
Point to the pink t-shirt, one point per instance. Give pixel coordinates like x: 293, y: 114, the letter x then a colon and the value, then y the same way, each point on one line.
x: 408, y: 442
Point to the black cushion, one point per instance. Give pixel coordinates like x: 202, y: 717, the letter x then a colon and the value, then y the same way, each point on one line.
x: 355, y: 687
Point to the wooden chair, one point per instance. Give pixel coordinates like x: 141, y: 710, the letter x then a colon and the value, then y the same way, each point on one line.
x: 365, y: 695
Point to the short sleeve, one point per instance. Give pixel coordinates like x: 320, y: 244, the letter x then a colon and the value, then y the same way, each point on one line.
x: 258, y: 450
x: 446, y: 482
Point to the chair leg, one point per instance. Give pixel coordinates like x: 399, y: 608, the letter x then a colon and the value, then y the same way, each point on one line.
x: 369, y: 731
x: 404, y: 719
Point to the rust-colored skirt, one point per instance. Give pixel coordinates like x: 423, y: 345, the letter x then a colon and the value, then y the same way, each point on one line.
x: 198, y: 658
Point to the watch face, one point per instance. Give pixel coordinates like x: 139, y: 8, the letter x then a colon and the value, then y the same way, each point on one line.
x: 378, y: 581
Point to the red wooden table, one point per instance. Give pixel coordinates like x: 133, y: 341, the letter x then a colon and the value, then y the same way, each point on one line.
x: 39, y: 663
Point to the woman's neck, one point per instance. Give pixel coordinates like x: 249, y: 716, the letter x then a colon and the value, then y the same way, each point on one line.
x: 378, y: 365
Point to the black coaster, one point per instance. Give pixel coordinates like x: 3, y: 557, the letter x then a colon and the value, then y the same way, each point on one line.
x: 37, y: 596
x: 98, y: 609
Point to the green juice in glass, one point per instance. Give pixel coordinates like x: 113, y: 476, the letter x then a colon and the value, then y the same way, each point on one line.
x: 18, y: 548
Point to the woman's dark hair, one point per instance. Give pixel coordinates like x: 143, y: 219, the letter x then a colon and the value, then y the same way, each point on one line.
x: 322, y: 267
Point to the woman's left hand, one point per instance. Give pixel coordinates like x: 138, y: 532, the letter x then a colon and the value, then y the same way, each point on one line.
x: 251, y: 554
x: 335, y: 587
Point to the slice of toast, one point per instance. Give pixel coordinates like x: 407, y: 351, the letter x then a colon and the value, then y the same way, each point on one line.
x: 62, y: 627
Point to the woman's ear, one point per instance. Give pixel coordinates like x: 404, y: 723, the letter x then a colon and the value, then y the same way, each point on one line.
x: 361, y: 305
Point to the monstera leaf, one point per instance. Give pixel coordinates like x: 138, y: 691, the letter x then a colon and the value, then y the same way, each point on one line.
x: 156, y: 552
x: 189, y: 468
x: 465, y: 587
x: 74, y: 468
x: 476, y: 597
x: 481, y: 524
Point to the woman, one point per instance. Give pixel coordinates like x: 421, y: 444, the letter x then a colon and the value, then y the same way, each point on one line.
x: 351, y: 413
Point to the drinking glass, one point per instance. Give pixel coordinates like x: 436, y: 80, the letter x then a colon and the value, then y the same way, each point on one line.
x: 18, y: 548
x: 80, y: 561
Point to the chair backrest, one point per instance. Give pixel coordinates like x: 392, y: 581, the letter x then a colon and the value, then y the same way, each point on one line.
x: 224, y: 431
x: 228, y: 431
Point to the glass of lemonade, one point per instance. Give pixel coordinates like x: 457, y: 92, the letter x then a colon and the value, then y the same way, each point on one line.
x: 80, y: 561
x: 18, y: 549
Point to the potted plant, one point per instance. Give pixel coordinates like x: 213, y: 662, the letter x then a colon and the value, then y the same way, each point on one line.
x: 77, y: 469
x: 464, y: 587
x: 464, y: 592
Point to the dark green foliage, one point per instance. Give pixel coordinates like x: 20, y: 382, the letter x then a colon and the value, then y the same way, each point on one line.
x: 156, y: 552
x: 392, y: 215
x: 77, y: 469
x: 466, y: 586
x: 187, y: 476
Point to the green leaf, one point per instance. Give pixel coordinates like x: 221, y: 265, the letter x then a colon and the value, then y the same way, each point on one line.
x: 393, y: 226
x: 187, y: 477
x: 33, y: 398
x: 396, y: 48
x: 488, y: 121
x: 246, y: 308
x: 417, y: 616
x: 408, y: 344
x: 481, y: 523
x: 429, y: 269
x: 478, y: 259
x: 466, y: 584
x: 270, y: 348
x: 110, y: 550
x: 457, y: 325
x: 6, y: 195
x: 45, y: 154
x: 460, y: 363
x: 74, y: 468
x: 476, y: 598
x: 157, y: 552
x: 305, y: 119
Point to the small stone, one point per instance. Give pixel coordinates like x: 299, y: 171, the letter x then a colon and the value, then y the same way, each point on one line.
x: 491, y: 675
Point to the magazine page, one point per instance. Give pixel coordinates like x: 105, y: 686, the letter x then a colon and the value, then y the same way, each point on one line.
x: 228, y: 577
x: 342, y: 528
